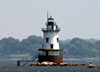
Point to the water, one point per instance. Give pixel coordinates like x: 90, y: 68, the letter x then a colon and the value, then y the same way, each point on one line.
x: 11, y: 66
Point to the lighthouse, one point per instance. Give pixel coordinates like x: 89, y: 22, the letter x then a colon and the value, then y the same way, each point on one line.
x: 50, y: 50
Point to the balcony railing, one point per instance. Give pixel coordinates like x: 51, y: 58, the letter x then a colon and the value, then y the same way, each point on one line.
x: 50, y: 49
x: 46, y: 30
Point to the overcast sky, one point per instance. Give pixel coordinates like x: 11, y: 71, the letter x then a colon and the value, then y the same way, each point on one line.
x: 76, y: 18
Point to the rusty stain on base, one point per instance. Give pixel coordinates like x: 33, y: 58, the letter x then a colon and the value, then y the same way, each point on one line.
x: 55, y: 59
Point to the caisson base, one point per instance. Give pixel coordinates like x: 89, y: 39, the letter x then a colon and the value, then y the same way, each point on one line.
x: 55, y: 59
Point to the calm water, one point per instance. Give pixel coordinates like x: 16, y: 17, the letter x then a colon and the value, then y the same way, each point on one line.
x: 11, y: 66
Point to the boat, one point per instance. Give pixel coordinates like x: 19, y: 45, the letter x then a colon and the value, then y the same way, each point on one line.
x: 91, y: 65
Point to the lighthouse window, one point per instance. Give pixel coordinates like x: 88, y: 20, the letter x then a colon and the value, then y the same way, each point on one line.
x: 51, y: 46
x: 57, y: 39
x: 47, y: 40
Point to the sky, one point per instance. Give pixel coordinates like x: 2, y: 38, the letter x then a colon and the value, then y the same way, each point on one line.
x: 76, y: 18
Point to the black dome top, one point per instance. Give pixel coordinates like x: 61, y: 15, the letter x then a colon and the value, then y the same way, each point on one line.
x: 50, y: 18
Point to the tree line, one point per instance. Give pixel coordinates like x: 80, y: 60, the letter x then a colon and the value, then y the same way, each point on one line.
x: 75, y: 47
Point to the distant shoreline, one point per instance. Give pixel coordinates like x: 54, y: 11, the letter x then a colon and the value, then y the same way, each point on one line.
x: 81, y: 58
x: 63, y: 59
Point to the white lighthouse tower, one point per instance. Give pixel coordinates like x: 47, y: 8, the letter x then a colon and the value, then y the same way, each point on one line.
x: 50, y: 50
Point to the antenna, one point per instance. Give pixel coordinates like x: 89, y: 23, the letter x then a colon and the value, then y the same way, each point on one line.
x: 47, y: 15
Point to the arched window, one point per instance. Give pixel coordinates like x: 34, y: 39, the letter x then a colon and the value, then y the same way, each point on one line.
x: 57, y: 39
x: 47, y: 40
x: 51, y: 45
